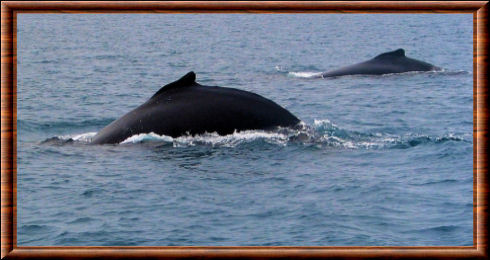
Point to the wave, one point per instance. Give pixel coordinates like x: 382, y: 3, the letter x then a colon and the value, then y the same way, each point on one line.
x: 66, y: 139
x: 435, y: 229
x: 333, y: 135
x: 35, y: 126
x: 321, y: 134
x: 36, y: 229
x: 213, y: 139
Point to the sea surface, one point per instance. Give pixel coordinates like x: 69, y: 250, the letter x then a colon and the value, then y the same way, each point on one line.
x: 380, y: 160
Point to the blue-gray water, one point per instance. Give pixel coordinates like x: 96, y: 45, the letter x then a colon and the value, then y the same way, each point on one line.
x: 387, y: 160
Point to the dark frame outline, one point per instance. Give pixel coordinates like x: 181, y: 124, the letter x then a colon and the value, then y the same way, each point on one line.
x: 9, y: 248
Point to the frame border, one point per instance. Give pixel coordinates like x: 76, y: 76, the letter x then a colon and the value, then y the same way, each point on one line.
x: 9, y: 11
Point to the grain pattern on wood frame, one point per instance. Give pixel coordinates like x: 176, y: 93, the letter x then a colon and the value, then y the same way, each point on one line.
x: 9, y: 128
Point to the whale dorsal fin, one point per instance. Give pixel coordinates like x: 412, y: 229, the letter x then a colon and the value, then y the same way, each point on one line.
x: 187, y: 80
x: 392, y: 54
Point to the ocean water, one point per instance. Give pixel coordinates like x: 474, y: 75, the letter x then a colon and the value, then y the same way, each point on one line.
x: 381, y: 160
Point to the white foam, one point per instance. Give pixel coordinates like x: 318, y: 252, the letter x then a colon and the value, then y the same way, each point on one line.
x: 323, y: 123
x: 85, y: 137
x: 280, y: 69
x: 213, y: 139
x: 139, y: 138
x: 305, y: 74
x: 322, y: 132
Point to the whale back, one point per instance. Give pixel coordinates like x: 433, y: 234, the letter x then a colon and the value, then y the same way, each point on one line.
x: 385, y: 63
x: 400, y: 53
x: 185, y: 107
x: 187, y: 80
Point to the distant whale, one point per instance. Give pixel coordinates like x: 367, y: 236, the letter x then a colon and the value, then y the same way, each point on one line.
x: 389, y: 62
x: 185, y: 107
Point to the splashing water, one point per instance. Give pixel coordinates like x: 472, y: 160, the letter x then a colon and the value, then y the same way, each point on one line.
x: 322, y: 133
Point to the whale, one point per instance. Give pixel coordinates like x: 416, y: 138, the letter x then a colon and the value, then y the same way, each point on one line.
x: 185, y: 107
x: 385, y: 63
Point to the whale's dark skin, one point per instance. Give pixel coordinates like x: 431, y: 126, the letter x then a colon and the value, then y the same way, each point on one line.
x: 185, y: 107
x: 386, y: 63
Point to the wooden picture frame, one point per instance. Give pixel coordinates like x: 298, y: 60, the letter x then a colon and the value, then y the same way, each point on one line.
x: 9, y: 248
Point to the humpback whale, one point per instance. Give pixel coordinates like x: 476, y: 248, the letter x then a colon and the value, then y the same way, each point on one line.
x: 385, y: 63
x: 185, y: 107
